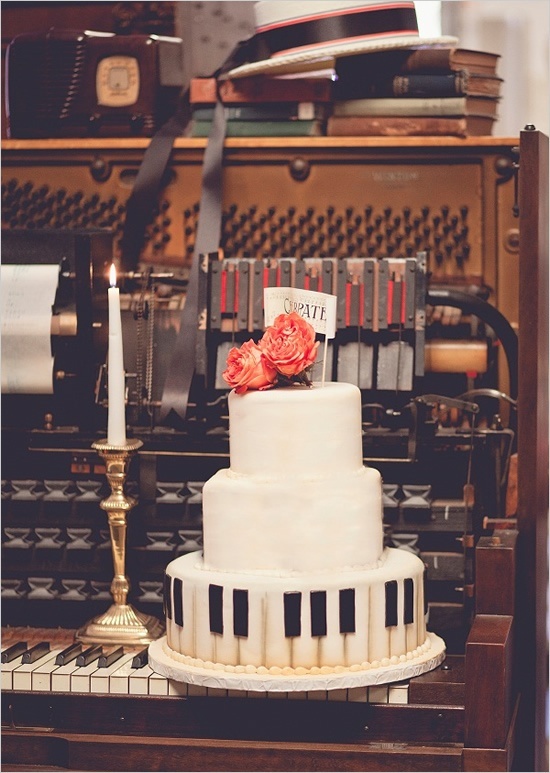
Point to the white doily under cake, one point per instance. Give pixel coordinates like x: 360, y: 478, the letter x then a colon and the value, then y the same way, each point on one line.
x: 165, y: 665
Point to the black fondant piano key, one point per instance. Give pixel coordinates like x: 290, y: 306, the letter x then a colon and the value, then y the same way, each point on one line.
x: 69, y: 654
x: 215, y: 603
x: 168, y: 596
x: 89, y: 655
x: 178, y: 601
x: 15, y: 651
x: 347, y: 610
x: 240, y: 612
x: 36, y: 652
x: 408, y: 610
x: 318, y: 602
x: 107, y: 660
x: 292, y: 613
x: 391, y: 603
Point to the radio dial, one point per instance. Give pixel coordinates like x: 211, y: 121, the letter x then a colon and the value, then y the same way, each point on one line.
x: 117, y: 81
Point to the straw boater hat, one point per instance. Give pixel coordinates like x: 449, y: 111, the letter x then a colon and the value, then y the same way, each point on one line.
x: 297, y: 36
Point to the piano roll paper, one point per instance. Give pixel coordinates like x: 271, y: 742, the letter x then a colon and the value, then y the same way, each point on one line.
x: 27, y: 296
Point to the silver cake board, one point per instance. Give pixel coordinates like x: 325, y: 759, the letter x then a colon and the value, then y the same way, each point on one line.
x: 164, y: 664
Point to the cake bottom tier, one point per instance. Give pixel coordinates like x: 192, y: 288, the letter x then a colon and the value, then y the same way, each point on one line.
x: 302, y: 624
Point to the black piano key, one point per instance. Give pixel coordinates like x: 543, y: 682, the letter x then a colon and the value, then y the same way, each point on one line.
x: 69, y: 654
x: 141, y: 658
x: 240, y: 612
x: 292, y: 613
x: 215, y: 599
x: 347, y: 610
x: 318, y: 602
x: 178, y: 601
x: 391, y: 603
x: 89, y: 655
x: 168, y: 596
x: 13, y: 652
x: 408, y: 610
x: 36, y: 652
x: 107, y: 660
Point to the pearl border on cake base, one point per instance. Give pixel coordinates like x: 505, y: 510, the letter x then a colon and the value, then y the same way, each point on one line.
x: 431, y: 655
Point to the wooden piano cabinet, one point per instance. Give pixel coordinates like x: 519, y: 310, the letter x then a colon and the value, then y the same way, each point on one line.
x: 176, y: 754
x: 533, y: 456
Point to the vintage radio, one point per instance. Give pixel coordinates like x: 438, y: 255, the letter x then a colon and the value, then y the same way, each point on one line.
x: 70, y: 83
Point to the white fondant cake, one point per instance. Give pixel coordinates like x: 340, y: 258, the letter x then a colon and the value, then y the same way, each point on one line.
x: 294, y: 580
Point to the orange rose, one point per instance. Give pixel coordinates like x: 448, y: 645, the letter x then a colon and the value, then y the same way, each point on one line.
x: 247, y: 368
x: 289, y: 344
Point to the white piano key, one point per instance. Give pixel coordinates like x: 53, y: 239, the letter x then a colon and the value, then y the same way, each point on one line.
x: 41, y: 677
x: 139, y: 681
x: 398, y: 693
x: 378, y: 694
x: 7, y: 673
x: 317, y: 695
x: 61, y: 678
x: 158, y: 685
x: 100, y: 680
x: 217, y: 692
x: 81, y: 678
x: 232, y: 693
x: 22, y: 676
x: 119, y: 681
x: 358, y: 694
x: 299, y: 695
x: 198, y: 690
x: 180, y: 688
x: 340, y: 694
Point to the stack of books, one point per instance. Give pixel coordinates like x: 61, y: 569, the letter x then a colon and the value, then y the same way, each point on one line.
x: 262, y: 106
x: 416, y: 92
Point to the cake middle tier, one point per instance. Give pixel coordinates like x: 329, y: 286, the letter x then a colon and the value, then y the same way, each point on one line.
x: 287, y: 526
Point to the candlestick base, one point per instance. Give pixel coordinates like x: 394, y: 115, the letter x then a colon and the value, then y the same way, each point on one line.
x: 121, y: 624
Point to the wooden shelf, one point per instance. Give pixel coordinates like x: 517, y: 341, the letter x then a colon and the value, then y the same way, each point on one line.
x: 133, y: 143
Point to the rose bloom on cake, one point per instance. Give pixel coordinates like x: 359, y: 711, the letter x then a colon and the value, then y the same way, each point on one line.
x: 283, y: 356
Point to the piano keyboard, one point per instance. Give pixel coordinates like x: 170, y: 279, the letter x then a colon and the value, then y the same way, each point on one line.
x: 130, y: 674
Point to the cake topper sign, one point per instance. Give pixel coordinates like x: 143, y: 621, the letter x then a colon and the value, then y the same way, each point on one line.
x: 319, y: 309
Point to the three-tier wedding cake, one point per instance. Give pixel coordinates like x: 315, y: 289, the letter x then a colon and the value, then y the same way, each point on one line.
x: 294, y: 589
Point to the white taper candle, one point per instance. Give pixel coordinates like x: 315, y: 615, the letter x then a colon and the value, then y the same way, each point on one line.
x: 116, y: 423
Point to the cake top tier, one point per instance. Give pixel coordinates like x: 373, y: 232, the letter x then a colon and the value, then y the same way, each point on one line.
x: 301, y: 432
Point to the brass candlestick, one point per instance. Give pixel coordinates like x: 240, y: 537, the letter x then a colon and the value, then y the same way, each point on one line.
x: 121, y: 623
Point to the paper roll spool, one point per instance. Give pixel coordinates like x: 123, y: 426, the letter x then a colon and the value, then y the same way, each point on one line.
x: 27, y: 296
x: 443, y: 356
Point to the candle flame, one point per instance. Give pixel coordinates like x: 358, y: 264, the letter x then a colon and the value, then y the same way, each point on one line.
x: 112, y: 275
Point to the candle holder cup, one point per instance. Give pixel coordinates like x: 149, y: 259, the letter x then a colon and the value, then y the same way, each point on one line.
x: 121, y: 623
